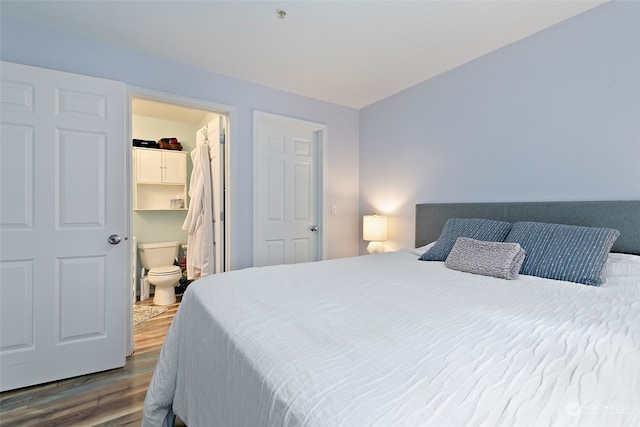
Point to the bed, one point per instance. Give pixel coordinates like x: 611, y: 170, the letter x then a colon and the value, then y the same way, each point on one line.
x: 389, y: 340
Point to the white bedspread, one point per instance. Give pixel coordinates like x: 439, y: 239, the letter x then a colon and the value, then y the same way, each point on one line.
x: 386, y: 340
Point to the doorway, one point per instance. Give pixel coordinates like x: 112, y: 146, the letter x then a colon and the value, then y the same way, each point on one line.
x: 154, y: 117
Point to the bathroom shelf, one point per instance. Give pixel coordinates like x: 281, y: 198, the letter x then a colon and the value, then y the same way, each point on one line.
x: 160, y: 176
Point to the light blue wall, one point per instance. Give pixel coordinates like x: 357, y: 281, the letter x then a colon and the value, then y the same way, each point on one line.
x: 555, y: 116
x: 25, y: 44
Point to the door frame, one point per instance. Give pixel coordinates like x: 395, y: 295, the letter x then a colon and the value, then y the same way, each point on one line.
x: 229, y: 172
x: 321, y: 134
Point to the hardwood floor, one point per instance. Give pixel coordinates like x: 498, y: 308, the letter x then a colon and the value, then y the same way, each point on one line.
x: 110, y: 398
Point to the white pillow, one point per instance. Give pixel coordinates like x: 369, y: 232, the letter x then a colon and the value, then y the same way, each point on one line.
x: 621, y: 271
x: 422, y: 249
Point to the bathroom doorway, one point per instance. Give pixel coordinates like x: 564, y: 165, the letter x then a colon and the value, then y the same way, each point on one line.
x: 163, y: 118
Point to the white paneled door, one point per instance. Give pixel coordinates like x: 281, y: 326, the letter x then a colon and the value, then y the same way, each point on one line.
x: 63, y: 281
x: 287, y: 226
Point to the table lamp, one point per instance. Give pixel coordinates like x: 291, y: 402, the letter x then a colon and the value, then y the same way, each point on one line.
x: 374, y: 230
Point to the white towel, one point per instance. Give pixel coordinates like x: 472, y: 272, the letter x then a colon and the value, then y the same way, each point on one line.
x: 199, y: 221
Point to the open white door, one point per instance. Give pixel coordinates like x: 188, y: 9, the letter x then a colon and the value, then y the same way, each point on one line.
x: 214, y: 132
x: 63, y: 285
x: 287, y: 190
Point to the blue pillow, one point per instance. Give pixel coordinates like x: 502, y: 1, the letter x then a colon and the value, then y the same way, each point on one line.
x: 563, y: 252
x: 475, y: 228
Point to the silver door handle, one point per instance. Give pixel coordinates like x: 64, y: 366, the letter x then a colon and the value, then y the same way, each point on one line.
x: 114, y: 239
x: 313, y: 228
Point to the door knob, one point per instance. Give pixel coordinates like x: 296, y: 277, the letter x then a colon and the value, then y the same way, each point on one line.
x: 114, y: 239
x: 313, y: 228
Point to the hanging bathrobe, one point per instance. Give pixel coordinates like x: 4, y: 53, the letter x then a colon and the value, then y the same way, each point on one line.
x: 199, y: 221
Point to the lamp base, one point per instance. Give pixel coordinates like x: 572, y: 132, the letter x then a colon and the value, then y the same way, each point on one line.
x: 375, y: 248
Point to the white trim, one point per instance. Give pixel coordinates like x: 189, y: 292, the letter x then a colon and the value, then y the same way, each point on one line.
x: 184, y: 101
x: 321, y: 132
x: 128, y: 209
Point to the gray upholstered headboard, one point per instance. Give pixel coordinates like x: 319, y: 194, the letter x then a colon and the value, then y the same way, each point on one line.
x: 624, y: 216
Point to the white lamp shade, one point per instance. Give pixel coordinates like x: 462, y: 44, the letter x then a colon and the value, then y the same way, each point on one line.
x: 374, y: 228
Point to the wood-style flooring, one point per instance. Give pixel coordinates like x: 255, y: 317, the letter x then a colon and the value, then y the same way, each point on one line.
x: 110, y: 398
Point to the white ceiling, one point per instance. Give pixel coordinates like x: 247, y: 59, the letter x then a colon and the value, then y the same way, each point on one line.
x: 351, y: 53
x: 167, y: 111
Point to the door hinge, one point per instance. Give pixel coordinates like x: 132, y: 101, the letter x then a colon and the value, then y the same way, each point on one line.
x: 222, y: 138
x: 221, y: 216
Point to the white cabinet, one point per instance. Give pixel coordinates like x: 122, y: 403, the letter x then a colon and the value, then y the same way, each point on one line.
x: 160, y: 179
x: 155, y: 166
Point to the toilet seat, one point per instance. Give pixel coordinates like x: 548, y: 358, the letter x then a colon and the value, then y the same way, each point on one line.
x: 166, y: 270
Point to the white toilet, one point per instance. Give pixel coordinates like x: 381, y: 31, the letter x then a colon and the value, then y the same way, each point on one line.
x: 157, y: 259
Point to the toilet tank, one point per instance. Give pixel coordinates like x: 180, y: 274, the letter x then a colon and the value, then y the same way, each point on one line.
x: 158, y: 254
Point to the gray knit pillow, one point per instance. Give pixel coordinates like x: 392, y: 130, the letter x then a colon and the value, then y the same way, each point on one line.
x: 496, y: 259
